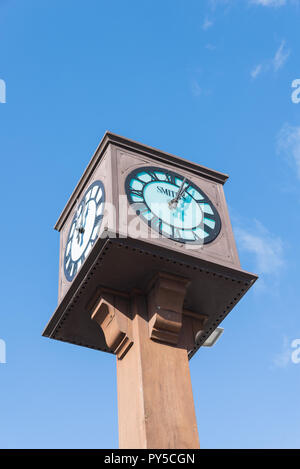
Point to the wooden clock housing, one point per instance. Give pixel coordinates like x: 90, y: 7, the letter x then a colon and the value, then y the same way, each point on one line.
x: 123, y: 263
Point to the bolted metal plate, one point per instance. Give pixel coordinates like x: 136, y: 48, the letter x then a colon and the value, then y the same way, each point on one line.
x: 124, y: 264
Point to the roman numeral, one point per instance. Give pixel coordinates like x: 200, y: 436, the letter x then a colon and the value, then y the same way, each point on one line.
x: 141, y: 208
x: 100, y: 201
x: 185, y: 188
x: 175, y: 233
x: 68, y: 261
x: 153, y: 176
x: 69, y: 267
x: 196, y: 237
x: 136, y: 192
x: 98, y: 219
x: 207, y: 229
x: 171, y: 178
x: 156, y: 223
x: 140, y: 180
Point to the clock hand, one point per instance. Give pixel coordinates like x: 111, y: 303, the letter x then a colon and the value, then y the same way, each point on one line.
x: 83, y: 224
x: 79, y: 226
x: 174, y: 202
x: 85, y: 215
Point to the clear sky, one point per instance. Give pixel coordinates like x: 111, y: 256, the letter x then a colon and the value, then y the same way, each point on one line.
x: 210, y: 81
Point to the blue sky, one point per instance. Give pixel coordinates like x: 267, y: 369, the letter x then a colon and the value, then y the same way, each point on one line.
x: 206, y: 80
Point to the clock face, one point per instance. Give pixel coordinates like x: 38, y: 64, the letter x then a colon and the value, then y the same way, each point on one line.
x: 172, y: 205
x: 84, y: 229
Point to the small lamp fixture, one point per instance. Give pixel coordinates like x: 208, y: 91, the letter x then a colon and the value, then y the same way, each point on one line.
x: 214, y: 336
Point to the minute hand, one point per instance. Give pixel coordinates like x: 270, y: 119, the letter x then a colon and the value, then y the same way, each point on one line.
x: 173, y: 203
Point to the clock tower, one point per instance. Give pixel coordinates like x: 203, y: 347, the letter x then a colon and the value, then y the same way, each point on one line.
x: 148, y: 270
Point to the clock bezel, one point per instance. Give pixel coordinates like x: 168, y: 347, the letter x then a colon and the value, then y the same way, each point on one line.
x: 213, y: 233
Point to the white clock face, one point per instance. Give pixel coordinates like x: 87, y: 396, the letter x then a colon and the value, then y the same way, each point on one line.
x: 84, y: 229
x: 172, y: 205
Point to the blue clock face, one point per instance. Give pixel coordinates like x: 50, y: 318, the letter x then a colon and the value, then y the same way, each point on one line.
x: 84, y: 229
x: 172, y: 205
